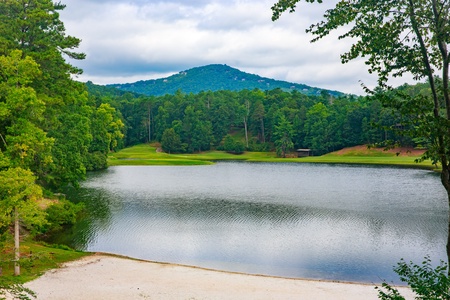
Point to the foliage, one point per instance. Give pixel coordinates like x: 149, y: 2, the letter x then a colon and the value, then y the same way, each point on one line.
x: 170, y: 141
x: 50, y: 131
x: 232, y: 145
x: 24, y: 142
x: 34, y: 27
x: 62, y: 213
x: 322, y: 123
x: 19, y: 195
x: 283, y: 136
x: 317, y: 126
x: 19, y: 190
x: 425, y: 281
x: 47, y: 123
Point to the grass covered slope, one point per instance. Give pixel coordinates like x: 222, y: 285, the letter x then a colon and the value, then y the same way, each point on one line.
x: 145, y: 154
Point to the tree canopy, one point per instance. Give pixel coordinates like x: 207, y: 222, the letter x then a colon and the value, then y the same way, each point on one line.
x: 50, y: 133
x: 48, y: 124
x: 203, y: 121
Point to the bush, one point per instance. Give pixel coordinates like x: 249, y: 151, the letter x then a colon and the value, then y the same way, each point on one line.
x: 96, y: 161
x: 427, y: 282
x: 233, y: 146
x: 62, y: 213
x: 171, y: 142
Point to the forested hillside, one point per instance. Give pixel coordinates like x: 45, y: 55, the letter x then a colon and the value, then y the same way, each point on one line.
x: 252, y: 120
x: 215, y: 78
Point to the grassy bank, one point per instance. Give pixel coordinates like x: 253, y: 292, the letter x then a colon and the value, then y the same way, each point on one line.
x: 35, y: 259
x: 145, y: 154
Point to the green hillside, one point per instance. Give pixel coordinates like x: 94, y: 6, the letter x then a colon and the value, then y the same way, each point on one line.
x: 214, y: 78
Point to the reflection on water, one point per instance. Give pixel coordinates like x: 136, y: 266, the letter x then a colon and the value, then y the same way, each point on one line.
x: 295, y: 220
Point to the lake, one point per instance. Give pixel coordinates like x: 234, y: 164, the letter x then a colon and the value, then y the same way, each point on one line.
x: 334, y: 222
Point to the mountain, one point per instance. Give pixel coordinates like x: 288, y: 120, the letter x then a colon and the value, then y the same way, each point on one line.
x: 213, y: 78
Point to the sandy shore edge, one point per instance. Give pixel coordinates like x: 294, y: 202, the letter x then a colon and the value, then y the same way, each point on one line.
x: 103, y: 276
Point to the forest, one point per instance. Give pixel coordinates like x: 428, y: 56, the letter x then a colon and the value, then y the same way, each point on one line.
x: 58, y: 128
x: 53, y: 129
x: 253, y: 120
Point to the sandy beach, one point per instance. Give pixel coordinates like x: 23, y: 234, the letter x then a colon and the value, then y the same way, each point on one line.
x: 108, y: 277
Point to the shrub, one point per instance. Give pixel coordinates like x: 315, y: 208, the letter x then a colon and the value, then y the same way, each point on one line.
x: 427, y: 282
x: 62, y: 213
x: 233, y: 146
x: 171, y: 141
x: 96, y: 161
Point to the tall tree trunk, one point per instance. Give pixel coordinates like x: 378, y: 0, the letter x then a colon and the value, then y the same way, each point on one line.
x: 448, y: 244
x: 262, y: 131
x: 246, y: 133
x: 149, y: 125
x: 16, y: 243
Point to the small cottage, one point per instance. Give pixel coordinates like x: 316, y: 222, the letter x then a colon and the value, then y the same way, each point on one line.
x: 303, y: 152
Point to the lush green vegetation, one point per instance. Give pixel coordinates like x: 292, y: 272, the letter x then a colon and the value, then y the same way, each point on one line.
x: 214, y: 78
x: 36, y: 259
x: 426, y: 282
x: 54, y: 129
x: 51, y: 131
x: 260, y: 120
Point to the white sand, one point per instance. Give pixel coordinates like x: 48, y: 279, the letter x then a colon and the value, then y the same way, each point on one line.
x: 108, y: 277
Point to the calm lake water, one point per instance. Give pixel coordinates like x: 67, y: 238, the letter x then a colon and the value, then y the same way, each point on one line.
x: 337, y: 222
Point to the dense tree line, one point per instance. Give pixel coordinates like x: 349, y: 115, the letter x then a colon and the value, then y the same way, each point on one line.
x: 49, y: 125
x: 257, y: 120
x: 51, y: 131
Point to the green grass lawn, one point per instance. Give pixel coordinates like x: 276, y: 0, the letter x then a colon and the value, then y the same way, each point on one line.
x: 146, y: 154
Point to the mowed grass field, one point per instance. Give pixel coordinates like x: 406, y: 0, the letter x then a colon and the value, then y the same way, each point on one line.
x: 147, y: 154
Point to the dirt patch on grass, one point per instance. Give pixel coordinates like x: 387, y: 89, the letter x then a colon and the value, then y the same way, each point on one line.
x: 365, y: 150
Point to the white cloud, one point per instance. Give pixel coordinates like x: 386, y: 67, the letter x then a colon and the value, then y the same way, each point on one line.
x: 126, y: 41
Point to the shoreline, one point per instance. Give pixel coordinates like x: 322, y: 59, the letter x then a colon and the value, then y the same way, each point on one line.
x: 104, y: 276
x: 146, y: 155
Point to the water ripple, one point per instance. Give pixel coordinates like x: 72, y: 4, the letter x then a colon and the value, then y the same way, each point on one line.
x: 332, y: 222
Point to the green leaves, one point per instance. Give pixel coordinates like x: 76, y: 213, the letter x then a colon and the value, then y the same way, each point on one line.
x: 426, y: 281
x: 26, y: 144
x: 15, y: 70
x: 171, y: 142
x: 283, y: 133
x: 283, y: 5
x: 18, y: 189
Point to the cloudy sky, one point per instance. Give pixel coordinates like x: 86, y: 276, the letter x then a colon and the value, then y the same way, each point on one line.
x: 130, y: 40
